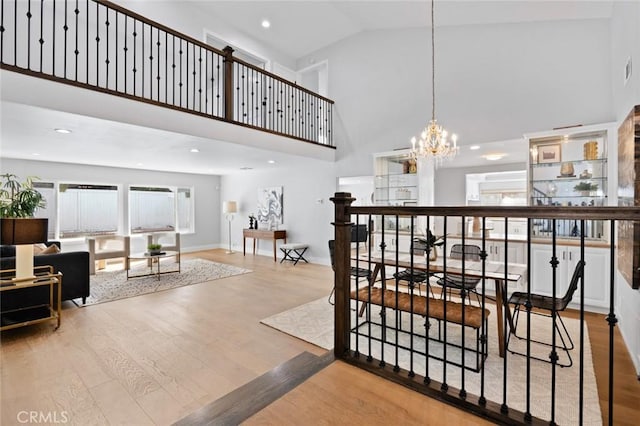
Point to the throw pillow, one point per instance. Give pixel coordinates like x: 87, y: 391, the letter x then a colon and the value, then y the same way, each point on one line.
x: 39, y: 248
x: 53, y: 248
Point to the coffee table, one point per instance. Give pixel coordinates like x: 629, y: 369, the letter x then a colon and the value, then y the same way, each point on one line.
x: 154, y: 259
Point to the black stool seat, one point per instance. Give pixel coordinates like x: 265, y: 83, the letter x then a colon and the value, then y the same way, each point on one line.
x: 294, y: 252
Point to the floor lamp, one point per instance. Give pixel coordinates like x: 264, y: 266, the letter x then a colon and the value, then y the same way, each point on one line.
x: 229, y: 208
x: 23, y: 233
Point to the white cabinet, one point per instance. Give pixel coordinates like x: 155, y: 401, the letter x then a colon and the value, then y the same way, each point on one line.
x: 517, y: 250
x: 517, y: 253
x: 402, y: 242
x: 596, y: 274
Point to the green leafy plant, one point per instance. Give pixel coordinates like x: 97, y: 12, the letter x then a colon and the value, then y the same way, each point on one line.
x: 430, y: 241
x: 19, y: 199
x: 154, y: 247
x: 586, y: 186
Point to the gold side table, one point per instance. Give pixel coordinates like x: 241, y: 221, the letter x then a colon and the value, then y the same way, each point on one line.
x: 32, y: 314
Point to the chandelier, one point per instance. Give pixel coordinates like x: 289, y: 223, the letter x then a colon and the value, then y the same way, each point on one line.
x: 433, y: 142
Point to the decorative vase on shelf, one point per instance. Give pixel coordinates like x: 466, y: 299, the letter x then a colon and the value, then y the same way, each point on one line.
x: 566, y: 169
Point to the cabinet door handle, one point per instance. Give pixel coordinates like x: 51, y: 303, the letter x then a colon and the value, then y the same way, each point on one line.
x: 563, y: 255
x: 569, y: 255
x: 497, y: 252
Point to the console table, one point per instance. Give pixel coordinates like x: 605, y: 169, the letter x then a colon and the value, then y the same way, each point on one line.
x: 32, y: 314
x: 262, y: 234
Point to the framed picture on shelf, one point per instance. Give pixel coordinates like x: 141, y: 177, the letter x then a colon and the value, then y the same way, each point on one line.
x: 550, y: 153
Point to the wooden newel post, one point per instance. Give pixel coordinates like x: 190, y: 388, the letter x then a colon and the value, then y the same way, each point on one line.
x: 228, y: 83
x: 342, y: 262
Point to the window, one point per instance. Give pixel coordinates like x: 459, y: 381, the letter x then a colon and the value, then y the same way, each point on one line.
x: 48, y: 191
x: 153, y: 209
x: 87, y: 210
x: 184, y: 203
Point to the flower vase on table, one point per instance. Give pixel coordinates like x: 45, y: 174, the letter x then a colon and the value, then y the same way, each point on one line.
x: 433, y: 253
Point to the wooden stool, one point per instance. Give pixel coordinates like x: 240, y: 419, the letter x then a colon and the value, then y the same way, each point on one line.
x: 294, y: 252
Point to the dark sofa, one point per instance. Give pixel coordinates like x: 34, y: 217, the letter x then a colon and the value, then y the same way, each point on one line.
x: 75, y: 276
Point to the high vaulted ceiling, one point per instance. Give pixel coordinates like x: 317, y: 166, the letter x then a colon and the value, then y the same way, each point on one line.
x: 298, y: 28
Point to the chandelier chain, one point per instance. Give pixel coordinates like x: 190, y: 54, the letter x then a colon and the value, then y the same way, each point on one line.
x: 433, y: 64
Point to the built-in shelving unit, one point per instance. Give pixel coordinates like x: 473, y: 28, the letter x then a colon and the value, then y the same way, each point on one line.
x: 570, y: 167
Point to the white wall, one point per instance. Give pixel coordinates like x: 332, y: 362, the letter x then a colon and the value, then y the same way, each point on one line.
x: 188, y: 18
x: 305, y: 218
x: 206, y: 191
x: 625, y: 30
x: 450, y: 183
x: 493, y: 82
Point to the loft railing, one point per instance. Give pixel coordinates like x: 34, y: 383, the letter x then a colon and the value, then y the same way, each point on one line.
x: 101, y: 46
x: 411, y: 339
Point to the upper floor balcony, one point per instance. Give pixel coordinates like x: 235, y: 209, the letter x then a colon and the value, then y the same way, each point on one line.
x: 103, y: 47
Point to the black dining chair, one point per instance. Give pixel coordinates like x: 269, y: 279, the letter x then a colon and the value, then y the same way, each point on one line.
x: 355, y: 272
x: 547, y: 303
x: 415, y: 277
x: 463, y: 284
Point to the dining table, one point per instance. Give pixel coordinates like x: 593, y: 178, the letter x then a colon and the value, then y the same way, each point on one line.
x: 502, y: 273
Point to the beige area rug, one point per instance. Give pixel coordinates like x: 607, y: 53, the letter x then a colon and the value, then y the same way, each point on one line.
x: 313, y: 322
x: 107, y: 286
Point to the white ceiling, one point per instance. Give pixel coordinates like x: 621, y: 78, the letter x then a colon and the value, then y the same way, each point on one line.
x: 301, y: 27
x: 322, y: 23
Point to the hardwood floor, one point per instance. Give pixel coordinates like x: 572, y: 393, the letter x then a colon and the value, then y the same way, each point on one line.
x: 157, y: 358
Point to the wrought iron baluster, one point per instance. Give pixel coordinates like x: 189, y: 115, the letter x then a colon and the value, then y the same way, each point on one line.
x: 463, y: 293
x: 444, y: 387
x: 135, y: 49
x: 29, y: 35
x: 2, y: 29
x: 180, y: 72
x: 87, y: 44
x: 158, y: 77
x: 97, y: 46
x: 527, y: 413
x: 485, y: 332
x: 142, y: 59
x: 116, y: 50
x: 107, y: 61
x: 553, y: 356
x: 125, y: 49
x: 53, y: 39
x: 611, y: 318
x: 427, y: 323
x: 582, y: 334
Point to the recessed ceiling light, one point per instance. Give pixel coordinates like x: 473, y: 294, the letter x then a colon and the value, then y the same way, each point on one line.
x: 139, y: 164
x: 35, y: 154
x: 65, y: 131
x: 495, y: 156
x: 474, y: 147
x: 271, y: 162
x: 265, y: 23
x: 195, y: 150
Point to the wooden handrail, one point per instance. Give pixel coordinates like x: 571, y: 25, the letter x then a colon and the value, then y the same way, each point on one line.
x: 533, y: 212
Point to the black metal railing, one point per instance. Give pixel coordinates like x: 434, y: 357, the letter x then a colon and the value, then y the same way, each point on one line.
x: 101, y: 46
x: 491, y: 354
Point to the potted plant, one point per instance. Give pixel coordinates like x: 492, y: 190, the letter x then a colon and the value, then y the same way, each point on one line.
x: 19, y: 199
x: 428, y: 244
x: 586, y: 188
x: 154, y: 249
